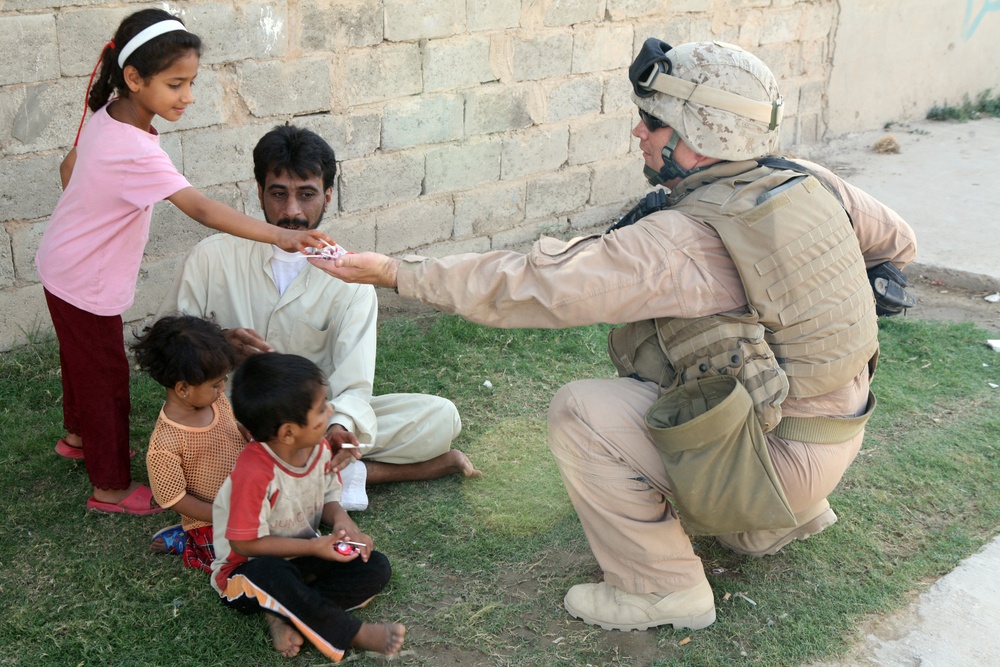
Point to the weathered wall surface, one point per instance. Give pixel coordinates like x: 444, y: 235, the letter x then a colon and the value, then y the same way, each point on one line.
x: 895, y: 60
x: 460, y: 125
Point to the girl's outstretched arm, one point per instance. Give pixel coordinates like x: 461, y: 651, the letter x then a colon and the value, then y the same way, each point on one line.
x: 66, y: 168
x: 225, y: 219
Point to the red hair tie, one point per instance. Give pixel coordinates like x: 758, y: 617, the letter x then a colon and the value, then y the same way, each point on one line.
x: 86, y: 99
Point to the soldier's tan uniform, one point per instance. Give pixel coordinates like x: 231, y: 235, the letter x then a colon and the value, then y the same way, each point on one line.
x: 743, y: 384
x: 666, y: 265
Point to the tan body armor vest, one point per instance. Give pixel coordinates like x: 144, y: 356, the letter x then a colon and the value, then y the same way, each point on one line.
x: 801, y: 266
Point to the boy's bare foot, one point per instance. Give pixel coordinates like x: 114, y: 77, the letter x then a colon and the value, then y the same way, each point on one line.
x: 384, y: 638
x: 286, y: 639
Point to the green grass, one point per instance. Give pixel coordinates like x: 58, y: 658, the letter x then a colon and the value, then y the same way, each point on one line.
x: 480, y: 566
x: 985, y: 104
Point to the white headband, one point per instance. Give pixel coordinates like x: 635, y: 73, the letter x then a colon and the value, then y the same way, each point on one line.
x: 145, y: 35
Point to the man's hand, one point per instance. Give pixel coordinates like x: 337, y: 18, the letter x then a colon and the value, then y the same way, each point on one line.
x: 246, y: 342
x: 297, y: 240
x: 338, y: 436
x: 368, y: 268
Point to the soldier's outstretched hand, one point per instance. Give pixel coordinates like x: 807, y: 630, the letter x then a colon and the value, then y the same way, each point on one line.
x: 368, y: 268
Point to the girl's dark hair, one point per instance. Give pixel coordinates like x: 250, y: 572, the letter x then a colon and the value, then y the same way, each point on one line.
x: 271, y: 389
x: 152, y: 57
x: 183, y: 348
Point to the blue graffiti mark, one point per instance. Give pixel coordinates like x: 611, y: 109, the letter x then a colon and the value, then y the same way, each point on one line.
x: 969, y: 27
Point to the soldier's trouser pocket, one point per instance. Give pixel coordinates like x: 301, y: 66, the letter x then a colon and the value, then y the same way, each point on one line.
x: 716, y: 459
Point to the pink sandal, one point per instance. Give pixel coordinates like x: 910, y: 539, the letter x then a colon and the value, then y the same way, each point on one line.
x: 68, y: 451
x: 137, y: 503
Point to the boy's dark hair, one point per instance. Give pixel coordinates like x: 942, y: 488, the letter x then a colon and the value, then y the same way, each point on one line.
x: 183, y: 348
x: 294, y: 150
x: 271, y: 389
x: 151, y: 58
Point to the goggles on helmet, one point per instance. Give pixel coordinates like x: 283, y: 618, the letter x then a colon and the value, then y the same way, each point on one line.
x: 650, y: 73
x: 652, y: 122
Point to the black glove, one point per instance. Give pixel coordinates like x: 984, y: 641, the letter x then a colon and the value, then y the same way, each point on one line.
x: 889, y: 286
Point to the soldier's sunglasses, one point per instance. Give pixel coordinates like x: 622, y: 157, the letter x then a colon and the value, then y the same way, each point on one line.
x: 652, y: 122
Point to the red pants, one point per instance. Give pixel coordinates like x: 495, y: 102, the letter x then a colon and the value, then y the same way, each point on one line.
x: 95, y: 376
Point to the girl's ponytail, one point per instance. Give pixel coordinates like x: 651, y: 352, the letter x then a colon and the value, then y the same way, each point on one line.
x: 104, y: 86
x: 149, y: 58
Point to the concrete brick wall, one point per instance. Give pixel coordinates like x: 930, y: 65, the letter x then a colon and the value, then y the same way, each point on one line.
x: 459, y: 124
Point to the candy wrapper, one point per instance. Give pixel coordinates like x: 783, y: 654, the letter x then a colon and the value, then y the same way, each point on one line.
x: 327, y: 252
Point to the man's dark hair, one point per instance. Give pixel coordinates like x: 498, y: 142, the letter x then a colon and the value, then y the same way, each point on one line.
x: 294, y: 150
x: 271, y: 389
x: 184, y: 348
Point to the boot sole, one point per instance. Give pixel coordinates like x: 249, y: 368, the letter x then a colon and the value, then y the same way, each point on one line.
x: 817, y: 525
x: 696, y: 622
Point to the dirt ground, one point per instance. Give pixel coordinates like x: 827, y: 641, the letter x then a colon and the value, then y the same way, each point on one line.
x: 954, y: 297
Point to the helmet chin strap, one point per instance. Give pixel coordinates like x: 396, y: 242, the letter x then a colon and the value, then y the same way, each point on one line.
x: 670, y: 169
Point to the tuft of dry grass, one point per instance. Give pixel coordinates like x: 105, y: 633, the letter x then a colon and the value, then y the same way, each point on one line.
x: 887, y: 144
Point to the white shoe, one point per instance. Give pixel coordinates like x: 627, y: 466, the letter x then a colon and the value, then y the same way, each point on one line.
x: 613, y: 609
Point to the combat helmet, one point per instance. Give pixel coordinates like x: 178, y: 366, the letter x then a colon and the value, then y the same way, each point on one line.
x: 722, y: 101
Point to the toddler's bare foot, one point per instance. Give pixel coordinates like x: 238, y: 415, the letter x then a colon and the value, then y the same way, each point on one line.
x: 286, y: 639
x: 384, y: 638
x: 158, y: 546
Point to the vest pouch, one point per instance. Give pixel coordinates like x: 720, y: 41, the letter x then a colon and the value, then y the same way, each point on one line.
x: 716, y: 458
x: 635, y: 351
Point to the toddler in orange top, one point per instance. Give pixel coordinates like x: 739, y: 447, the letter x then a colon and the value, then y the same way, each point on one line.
x: 196, y: 440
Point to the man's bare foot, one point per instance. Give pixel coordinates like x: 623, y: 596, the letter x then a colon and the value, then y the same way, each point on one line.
x: 286, y: 639
x: 463, y: 464
x: 451, y: 462
x: 384, y: 638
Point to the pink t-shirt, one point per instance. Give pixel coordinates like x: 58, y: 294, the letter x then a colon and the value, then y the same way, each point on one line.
x: 93, y: 245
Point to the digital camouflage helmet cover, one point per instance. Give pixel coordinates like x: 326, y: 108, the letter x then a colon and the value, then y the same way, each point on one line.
x: 721, y: 100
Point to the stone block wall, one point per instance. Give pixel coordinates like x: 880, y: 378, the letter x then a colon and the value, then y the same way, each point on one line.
x: 460, y: 125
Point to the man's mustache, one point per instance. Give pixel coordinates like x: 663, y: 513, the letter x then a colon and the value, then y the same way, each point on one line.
x: 293, y: 223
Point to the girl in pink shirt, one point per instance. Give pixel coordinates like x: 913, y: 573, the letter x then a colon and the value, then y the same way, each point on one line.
x: 88, y: 260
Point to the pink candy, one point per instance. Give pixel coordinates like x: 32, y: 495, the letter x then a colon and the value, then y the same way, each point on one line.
x: 328, y: 252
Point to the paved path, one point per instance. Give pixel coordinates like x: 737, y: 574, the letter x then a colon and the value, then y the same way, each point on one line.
x: 945, y: 182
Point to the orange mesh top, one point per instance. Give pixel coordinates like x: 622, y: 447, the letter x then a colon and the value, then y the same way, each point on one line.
x: 185, y: 460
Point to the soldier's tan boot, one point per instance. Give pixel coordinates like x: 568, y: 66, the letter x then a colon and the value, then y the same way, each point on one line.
x: 613, y: 609
x: 814, y: 520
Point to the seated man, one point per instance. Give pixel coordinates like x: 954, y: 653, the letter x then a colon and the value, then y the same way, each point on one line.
x: 269, y: 299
